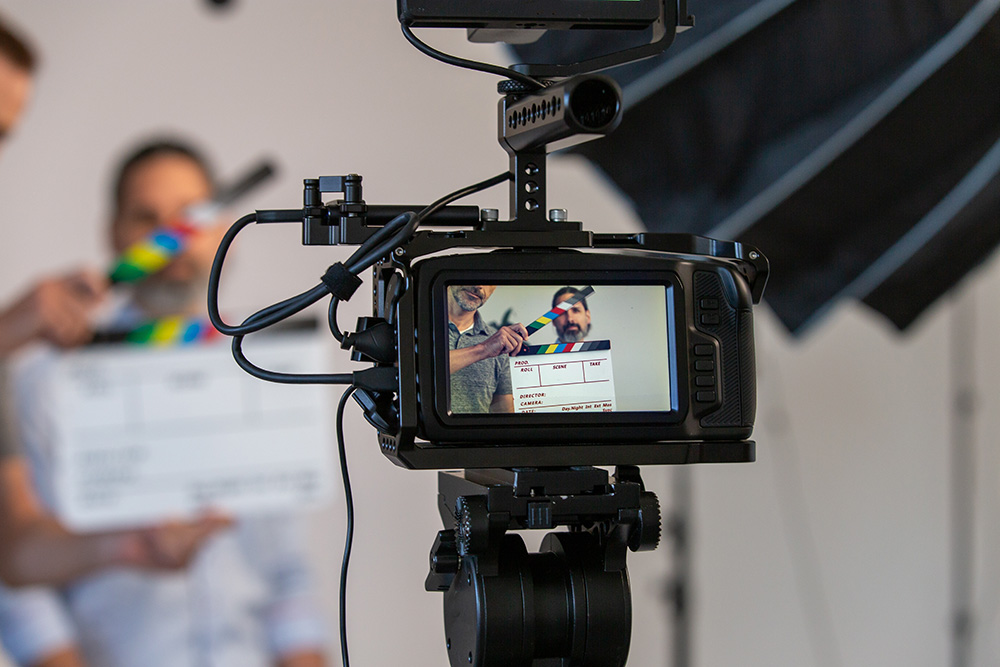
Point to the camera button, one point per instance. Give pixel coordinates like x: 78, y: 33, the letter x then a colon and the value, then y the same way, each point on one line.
x: 709, y: 304
x: 709, y: 318
x: 704, y: 365
x: 705, y: 396
x: 704, y: 349
x: 704, y: 381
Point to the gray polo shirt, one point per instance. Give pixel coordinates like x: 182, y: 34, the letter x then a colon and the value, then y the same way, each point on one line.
x: 473, y: 387
x: 8, y: 430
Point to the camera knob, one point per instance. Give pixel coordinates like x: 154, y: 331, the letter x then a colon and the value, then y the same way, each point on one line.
x: 444, y: 562
x: 473, y: 528
x: 645, y: 534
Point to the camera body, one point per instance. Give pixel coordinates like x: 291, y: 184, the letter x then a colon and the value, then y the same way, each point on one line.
x: 668, y: 375
x: 665, y: 376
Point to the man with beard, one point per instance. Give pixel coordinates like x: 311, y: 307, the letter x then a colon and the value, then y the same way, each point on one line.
x: 34, y: 546
x: 152, y: 189
x: 480, y: 373
x: 573, y: 325
x: 248, y: 599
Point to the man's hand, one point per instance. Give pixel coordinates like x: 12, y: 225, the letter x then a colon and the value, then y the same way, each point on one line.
x: 64, y: 657
x: 36, y: 549
x: 56, y: 309
x: 167, y: 546
x: 508, y: 340
x: 302, y: 659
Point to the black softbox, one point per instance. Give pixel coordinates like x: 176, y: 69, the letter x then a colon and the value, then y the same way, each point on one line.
x: 856, y: 142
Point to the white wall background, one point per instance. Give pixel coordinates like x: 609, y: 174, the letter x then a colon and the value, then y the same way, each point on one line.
x: 832, y: 549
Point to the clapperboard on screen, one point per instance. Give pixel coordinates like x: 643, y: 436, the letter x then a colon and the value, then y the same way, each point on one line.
x: 563, y: 377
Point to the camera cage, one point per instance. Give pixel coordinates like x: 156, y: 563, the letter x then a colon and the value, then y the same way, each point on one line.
x: 570, y: 603
x: 413, y: 427
x: 425, y: 434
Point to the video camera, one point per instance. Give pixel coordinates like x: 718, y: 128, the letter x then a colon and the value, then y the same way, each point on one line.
x: 549, y: 350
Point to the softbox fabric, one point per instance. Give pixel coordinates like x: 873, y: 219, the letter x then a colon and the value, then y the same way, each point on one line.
x: 830, y: 134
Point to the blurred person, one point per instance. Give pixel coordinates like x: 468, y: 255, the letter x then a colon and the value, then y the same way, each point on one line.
x: 247, y: 598
x: 573, y: 325
x: 480, y: 373
x: 34, y: 547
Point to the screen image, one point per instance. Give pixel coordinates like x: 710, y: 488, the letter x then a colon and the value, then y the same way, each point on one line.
x: 589, y: 348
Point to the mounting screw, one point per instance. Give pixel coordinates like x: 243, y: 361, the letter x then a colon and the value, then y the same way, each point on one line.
x: 754, y: 254
x: 558, y: 215
x: 531, y: 205
x: 489, y: 215
x: 399, y: 252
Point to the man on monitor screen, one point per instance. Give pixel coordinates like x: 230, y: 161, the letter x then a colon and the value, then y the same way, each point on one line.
x: 480, y: 373
x: 573, y: 325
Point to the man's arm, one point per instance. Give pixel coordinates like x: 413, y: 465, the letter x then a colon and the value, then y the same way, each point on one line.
x: 507, y: 340
x: 302, y: 659
x: 36, y: 549
x: 36, y: 628
x: 502, y: 403
x: 65, y: 657
x: 56, y: 309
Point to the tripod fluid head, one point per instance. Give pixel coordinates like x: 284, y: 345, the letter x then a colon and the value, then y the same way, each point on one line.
x: 568, y: 604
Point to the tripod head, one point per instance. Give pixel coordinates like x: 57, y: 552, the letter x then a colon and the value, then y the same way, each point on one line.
x: 568, y: 604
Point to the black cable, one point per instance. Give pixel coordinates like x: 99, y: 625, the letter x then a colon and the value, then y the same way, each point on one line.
x: 404, y: 226
x: 282, y: 310
x: 285, y: 378
x: 505, y: 72
x: 380, y: 244
x: 362, y: 258
x: 349, y: 540
x: 464, y: 192
x: 268, y: 314
x: 395, y: 233
x: 357, y: 264
x: 332, y: 319
x: 263, y: 318
x: 379, y: 237
x: 386, y: 247
x: 216, y: 273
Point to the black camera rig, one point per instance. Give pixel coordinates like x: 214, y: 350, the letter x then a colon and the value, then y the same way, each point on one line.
x: 570, y: 603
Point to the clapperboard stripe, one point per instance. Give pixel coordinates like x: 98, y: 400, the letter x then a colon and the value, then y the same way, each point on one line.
x: 151, y: 254
x: 557, y: 348
x: 172, y: 331
x: 559, y: 309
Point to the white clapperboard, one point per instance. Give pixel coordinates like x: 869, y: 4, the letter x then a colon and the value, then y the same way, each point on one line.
x: 564, y: 377
x: 142, y: 434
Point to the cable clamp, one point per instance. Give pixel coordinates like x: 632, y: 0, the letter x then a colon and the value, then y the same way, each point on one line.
x: 340, y: 282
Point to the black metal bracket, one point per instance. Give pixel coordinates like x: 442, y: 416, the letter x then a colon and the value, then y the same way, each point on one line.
x: 479, y: 506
